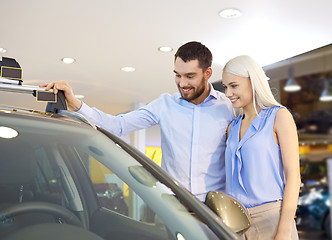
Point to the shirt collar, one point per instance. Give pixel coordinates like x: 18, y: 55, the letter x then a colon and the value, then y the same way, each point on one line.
x: 257, y: 121
x: 212, y: 92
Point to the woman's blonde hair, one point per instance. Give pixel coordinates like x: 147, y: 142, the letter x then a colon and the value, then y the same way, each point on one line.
x: 245, y: 66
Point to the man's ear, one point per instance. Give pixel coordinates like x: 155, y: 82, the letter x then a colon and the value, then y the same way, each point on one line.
x: 208, y: 73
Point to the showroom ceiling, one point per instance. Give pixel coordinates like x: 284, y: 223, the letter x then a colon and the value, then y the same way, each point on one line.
x: 104, y: 36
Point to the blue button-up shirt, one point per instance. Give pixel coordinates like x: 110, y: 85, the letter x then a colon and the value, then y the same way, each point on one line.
x: 192, y: 136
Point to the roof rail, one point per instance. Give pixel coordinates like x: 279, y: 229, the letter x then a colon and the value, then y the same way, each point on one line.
x: 77, y: 117
x: 55, y: 103
x: 18, y: 88
x: 58, y: 106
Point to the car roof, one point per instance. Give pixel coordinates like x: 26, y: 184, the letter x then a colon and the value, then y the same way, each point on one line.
x: 63, y: 115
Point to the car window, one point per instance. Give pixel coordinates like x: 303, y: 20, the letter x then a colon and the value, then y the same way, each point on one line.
x: 48, y: 178
x: 45, y: 162
x: 38, y: 175
x: 124, y: 186
x: 114, y: 194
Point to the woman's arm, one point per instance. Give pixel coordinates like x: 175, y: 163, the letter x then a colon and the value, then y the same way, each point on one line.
x: 286, y: 136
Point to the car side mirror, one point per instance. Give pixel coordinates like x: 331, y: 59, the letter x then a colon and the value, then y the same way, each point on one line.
x: 231, y: 212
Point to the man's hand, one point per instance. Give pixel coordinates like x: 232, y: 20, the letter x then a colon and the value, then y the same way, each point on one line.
x: 73, y: 103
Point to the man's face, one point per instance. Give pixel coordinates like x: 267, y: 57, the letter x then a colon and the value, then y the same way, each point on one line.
x: 191, y: 80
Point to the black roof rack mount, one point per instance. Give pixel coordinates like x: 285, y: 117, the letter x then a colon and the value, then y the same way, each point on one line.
x: 11, y: 81
x: 56, y: 102
x: 10, y: 70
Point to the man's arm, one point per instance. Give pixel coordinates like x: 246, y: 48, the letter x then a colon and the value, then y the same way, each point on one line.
x: 122, y: 124
x: 118, y: 125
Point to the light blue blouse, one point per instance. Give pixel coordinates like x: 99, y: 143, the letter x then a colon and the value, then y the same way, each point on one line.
x: 193, y: 137
x: 254, y: 169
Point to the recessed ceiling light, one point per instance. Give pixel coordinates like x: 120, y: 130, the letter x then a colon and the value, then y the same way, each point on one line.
x: 6, y: 132
x: 68, y: 60
x: 79, y: 96
x: 128, y: 69
x: 165, y: 49
x: 2, y: 50
x: 230, y: 13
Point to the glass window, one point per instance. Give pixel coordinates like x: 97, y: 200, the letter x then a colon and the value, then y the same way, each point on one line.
x: 114, y: 194
x: 44, y: 163
x: 48, y: 179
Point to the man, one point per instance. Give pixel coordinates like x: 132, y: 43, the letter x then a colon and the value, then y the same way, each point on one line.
x: 193, y: 122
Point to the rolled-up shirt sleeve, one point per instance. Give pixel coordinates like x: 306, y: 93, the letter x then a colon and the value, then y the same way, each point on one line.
x: 123, y: 123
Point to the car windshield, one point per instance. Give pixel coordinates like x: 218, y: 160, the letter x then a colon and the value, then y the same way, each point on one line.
x: 56, y: 162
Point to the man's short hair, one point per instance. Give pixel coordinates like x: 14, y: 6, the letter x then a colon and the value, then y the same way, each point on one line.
x: 195, y: 50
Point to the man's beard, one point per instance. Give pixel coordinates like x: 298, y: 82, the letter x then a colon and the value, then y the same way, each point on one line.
x: 197, y: 92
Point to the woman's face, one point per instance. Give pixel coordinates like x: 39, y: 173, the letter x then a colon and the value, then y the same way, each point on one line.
x: 237, y: 89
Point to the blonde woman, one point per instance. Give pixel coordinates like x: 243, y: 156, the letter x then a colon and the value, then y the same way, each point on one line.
x: 262, y: 156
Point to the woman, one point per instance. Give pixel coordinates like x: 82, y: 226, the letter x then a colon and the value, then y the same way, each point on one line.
x: 262, y: 156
